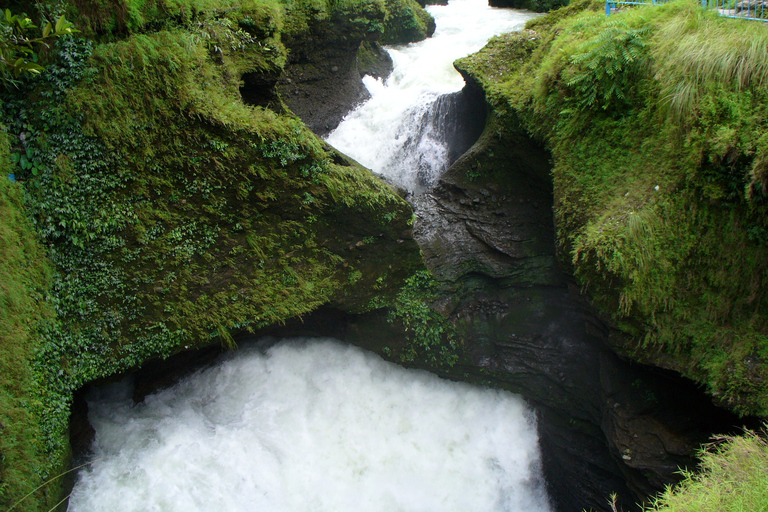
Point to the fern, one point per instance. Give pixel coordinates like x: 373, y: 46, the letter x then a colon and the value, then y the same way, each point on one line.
x: 607, y: 69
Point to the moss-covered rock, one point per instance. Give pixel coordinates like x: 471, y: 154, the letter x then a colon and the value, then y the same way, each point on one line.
x: 657, y: 138
x: 174, y: 214
x: 407, y: 22
x: 25, y: 276
x: 531, y: 5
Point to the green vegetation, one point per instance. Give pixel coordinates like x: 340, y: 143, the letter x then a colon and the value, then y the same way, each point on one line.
x: 401, y: 20
x: 406, y: 22
x: 531, y: 5
x: 731, y: 478
x: 172, y: 214
x: 19, y: 49
x: 655, y: 121
x: 430, y: 336
x: 25, y: 277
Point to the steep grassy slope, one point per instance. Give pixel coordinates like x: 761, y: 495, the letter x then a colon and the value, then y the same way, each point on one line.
x: 173, y: 213
x: 25, y: 276
x: 655, y: 118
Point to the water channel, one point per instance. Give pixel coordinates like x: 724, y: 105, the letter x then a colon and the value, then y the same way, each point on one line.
x: 397, y: 133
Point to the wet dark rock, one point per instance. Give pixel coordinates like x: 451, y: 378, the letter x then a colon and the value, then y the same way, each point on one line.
x: 81, y: 433
x: 259, y: 89
x: 462, y: 230
x: 322, y: 80
x: 457, y: 119
x: 606, y: 426
x: 373, y: 60
x: 159, y: 374
x: 460, y: 234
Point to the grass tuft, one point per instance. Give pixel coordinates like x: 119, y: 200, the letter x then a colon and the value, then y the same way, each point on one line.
x: 731, y: 478
x: 697, y: 48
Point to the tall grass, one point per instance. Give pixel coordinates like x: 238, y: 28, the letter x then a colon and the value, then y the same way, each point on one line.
x: 697, y: 48
x: 733, y: 478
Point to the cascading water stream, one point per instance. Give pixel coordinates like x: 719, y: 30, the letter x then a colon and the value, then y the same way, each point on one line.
x: 399, y: 132
x: 314, y: 425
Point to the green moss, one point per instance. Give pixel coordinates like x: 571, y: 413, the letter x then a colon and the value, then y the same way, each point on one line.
x: 25, y: 276
x: 401, y: 21
x: 657, y: 135
x: 531, y: 5
x: 430, y: 338
x: 406, y: 22
x: 115, y: 18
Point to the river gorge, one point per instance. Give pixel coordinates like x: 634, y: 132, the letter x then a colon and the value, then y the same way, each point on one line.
x: 606, y: 426
x: 226, y: 311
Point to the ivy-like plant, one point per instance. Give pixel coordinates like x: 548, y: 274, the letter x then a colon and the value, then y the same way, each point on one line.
x: 430, y: 335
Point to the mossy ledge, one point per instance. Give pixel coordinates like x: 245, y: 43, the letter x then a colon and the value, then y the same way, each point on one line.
x: 161, y: 212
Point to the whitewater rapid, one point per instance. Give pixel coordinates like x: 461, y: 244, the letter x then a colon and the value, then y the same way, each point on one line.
x: 311, y: 426
x: 386, y: 133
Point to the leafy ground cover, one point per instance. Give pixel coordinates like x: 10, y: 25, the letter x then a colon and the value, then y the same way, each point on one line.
x: 25, y: 276
x: 731, y: 479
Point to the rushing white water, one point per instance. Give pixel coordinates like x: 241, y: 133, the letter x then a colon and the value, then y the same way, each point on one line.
x: 376, y: 132
x: 312, y: 426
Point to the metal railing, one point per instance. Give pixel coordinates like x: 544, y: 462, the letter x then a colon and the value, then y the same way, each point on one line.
x: 741, y: 9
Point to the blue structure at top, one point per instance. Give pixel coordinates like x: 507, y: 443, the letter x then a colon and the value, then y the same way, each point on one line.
x: 741, y: 9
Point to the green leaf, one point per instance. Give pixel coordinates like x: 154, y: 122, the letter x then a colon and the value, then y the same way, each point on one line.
x: 31, y: 67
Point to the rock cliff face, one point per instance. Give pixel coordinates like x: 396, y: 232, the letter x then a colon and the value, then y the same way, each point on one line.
x: 663, y: 226
x: 647, y: 229
x: 321, y: 82
x: 606, y: 425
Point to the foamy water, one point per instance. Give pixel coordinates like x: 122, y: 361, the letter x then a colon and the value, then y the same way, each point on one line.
x: 374, y: 134
x: 312, y: 426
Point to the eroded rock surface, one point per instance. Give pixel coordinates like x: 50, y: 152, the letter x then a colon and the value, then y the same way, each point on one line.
x: 606, y: 426
x: 322, y: 81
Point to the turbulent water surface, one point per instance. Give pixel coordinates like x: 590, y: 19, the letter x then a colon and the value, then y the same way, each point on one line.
x: 311, y: 426
x: 386, y: 133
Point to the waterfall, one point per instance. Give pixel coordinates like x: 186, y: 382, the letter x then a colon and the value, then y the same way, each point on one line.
x: 311, y: 426
x: 388, y: 133
x: 315, y: 425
